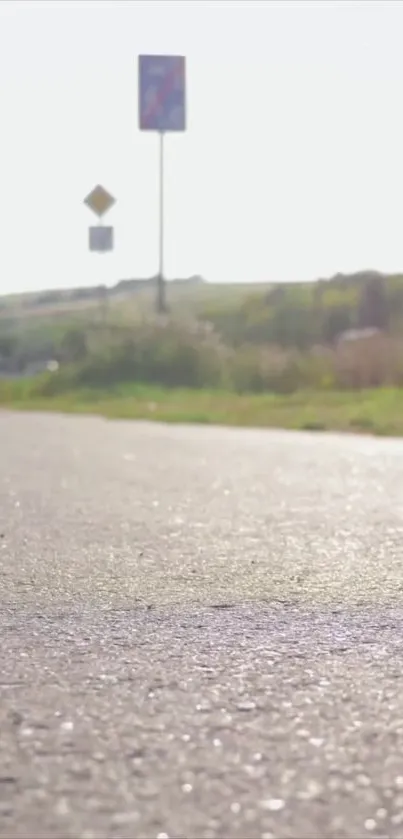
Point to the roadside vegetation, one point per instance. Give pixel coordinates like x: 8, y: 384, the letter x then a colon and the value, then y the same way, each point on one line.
x: 319, y: 356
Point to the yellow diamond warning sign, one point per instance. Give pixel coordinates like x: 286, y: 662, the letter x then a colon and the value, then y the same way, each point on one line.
x: 99, y: 201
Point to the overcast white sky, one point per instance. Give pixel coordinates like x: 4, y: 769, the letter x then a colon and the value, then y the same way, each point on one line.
x: 291, y: 168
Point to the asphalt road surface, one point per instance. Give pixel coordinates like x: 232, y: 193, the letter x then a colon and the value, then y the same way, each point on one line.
x: 201, y: 632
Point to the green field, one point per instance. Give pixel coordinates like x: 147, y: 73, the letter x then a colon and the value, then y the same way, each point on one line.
x: 377, y: 411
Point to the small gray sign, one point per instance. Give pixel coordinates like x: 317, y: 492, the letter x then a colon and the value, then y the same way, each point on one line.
x: 101, y: 238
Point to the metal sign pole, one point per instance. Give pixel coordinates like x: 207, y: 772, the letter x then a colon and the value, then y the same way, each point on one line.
x: 162, y: 108
x: 161, y: 303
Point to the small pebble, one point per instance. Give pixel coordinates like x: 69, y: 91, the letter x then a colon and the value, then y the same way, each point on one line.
x: 316, y: 741
x: 246, y: 706
x: 273, y: 804
x: 62, y: 807
x: 122, y: 819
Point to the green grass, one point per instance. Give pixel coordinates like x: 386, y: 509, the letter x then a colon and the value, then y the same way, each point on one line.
x: 370, y: 411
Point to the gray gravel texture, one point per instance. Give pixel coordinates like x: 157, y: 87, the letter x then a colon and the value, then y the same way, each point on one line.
x: 201, y: 632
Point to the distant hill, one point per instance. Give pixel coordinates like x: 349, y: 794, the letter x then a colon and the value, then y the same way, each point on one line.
x: 137, y: 294
x: 286, y: 314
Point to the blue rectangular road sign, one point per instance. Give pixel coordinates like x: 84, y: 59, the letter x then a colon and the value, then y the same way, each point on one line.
x: 162, y: 93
